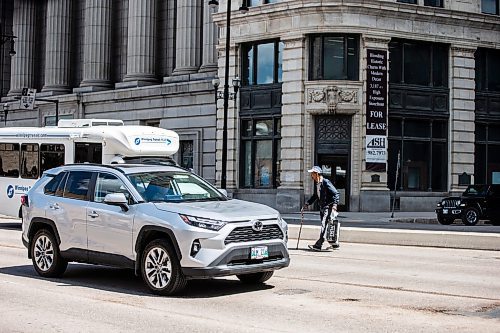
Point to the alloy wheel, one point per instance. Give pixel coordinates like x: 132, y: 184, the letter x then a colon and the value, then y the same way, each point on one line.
x: 158, y: 267
x: 44, y: 253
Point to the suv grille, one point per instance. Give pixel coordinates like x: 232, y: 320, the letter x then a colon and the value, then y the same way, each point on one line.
x: 246, y: 234
x: 451, y: 203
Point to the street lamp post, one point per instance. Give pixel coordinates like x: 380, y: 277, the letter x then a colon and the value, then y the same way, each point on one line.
x: 225, y: 93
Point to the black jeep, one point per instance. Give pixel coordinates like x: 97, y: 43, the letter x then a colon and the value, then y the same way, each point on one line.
x: 477, y: 202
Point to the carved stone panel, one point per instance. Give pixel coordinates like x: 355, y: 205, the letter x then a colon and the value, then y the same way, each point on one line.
x: 332, y: 99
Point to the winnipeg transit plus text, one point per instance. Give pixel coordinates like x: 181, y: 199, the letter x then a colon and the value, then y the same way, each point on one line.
x: 376, y: 111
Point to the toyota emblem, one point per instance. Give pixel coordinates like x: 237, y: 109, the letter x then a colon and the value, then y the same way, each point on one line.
x: 257, y: 225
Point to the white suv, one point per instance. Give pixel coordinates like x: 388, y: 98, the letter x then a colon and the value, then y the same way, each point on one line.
x: 162, y: 221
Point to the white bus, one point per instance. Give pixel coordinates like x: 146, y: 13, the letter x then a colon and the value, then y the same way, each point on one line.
x: 26, y: 152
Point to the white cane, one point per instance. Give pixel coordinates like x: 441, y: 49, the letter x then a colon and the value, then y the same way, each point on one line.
x: 300, y: 230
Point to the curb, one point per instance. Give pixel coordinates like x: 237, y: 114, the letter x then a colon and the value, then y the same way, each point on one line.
x: 424, y: 238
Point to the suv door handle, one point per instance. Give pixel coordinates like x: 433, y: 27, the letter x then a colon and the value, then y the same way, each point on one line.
x: 54, y: 206
x: 93, y: 214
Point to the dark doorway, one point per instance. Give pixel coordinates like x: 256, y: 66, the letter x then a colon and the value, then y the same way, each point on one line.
x: 336, y: 169
x: 88, y: 152
x: 333, y: 153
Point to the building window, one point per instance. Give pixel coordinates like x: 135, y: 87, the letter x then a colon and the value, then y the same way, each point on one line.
x: 408, y: 1
x: 487, y: 154
x: 418, y: 63
x: 151, y: 122
x: 51, y: 156
x: 51, y: 120
x: 487, y: 70
x: 433, y: 3
x: 490, y: 7
x: 253, y: 3
x: 424, y: 154
x: 334, y: 57
x: 186, y: 153
x: 262, y: 63
x: 261, y: 152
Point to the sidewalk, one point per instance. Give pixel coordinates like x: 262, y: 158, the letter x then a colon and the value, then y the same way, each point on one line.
x: 405, y: 228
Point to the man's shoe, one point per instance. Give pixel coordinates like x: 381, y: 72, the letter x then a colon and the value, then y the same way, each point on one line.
x: 315, y: 248
x: 335, y: 247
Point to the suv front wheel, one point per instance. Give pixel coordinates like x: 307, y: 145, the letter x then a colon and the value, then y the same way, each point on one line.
x: 471, y: 216
x: 161, y: 269
x: 45, y: 255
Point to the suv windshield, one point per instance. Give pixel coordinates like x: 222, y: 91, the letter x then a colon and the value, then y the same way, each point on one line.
x: 474, y: 190
x: 173, y: 186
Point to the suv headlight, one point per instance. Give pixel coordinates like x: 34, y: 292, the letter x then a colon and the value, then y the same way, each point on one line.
x: 283, y: 225
x: 203, y: 223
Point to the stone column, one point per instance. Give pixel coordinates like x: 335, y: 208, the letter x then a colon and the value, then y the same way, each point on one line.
x: 97, y: 46
x: 291, y: 191
x: 374, y: 196
x: 141, y: 48
x: 187, y: 60
x: 23, y: 63
x: 58, y: 47
x: 209, y: 54
x: 462, y: 115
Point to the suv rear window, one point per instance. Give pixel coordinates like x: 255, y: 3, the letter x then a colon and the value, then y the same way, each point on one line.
x: 77, y: 185
x: 51, y: 187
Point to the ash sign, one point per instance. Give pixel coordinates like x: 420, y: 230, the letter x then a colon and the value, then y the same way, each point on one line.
x: 376, y: 111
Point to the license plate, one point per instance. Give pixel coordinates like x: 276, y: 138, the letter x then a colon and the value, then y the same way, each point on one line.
x: 445, y: 211
x: 259, y: 252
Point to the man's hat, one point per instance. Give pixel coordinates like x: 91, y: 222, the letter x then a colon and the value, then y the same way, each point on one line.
x: 316, y: 169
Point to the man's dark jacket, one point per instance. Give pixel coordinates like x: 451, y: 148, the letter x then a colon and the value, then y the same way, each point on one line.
x: 328, y: 194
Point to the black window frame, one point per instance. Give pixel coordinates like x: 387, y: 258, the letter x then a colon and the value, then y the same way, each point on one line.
x: 33, y: 171
x: 400, y: 139
x: 434, y: 3
x: 483, y: 58
x: 253, y: 138
x: 497, y: 8
x: 253, y: 46
x: 397, y: 48
x: 348, y: 66
x: 413, y: 2
x: 10, y: 173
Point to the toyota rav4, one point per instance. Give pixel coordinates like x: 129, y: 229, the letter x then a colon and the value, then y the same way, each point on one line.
x: 166, y: 223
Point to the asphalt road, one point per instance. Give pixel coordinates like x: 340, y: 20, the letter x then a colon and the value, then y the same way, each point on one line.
x: 360, y: 288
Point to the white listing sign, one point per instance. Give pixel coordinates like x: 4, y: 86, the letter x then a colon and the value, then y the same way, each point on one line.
x: 27, y: 99
x: 376, y: 149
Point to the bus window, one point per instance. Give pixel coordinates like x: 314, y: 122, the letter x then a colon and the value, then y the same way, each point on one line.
x: 88, y: 152
x: 29, y: 160
x: 51, y: 156
x: 9, y: 157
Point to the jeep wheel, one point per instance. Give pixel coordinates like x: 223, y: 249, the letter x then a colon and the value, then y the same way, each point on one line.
x: 45, y: 255
x: 161, y: 269
x: 445, y: 220
x: 471, y: 216
x: 255, y: 278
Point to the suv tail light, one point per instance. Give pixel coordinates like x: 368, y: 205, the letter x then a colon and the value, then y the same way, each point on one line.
x: 24, y: 200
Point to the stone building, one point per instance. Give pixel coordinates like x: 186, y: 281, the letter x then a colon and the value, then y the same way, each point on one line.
x: 347, y: 85
x: 144, y: 61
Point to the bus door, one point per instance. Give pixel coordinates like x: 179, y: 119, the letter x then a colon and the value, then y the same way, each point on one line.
x: 88, y: 152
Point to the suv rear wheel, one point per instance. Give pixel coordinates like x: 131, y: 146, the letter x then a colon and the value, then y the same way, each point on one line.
x: 471, y: 216
x: 255, y: 278
x: 161, y: 270
x: 45, y: 255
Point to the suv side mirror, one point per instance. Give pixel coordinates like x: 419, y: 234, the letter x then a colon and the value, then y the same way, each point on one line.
x: 117, y: 199
x: 223, y: 191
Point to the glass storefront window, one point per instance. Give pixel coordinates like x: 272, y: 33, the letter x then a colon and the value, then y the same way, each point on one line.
x: 260, y: 153
x: 424, y: 158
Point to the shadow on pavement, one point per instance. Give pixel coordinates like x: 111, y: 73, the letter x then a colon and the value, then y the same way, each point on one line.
x: 124, y: 281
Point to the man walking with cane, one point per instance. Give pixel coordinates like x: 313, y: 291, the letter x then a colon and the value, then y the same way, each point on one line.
x: 328, y: 197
